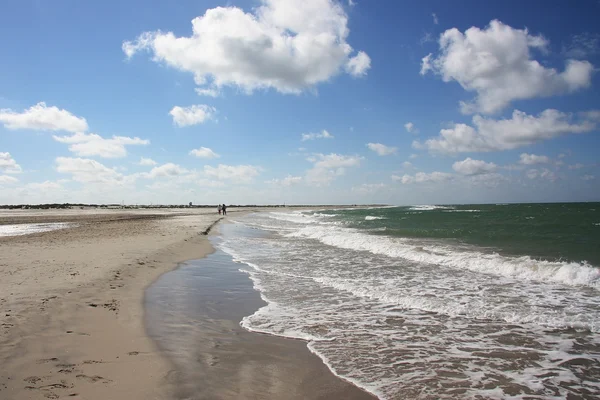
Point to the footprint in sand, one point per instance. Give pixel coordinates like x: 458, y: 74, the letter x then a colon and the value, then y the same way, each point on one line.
x: 93, y: 379
x: 32, y: 379
x: 47, y: 360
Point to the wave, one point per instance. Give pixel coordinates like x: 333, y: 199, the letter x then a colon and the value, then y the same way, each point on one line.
x: 524, y: 267
x: 430, y: 208
x: 373, y: 218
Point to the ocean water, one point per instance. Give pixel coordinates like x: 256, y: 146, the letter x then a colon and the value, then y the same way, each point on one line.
x: 435, y: 302
x: 26, y: 229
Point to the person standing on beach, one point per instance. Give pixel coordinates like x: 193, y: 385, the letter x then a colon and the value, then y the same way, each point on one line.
x: 219, y: 208
x: 224, y: 209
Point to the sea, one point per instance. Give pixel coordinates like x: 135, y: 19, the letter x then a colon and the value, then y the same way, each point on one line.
x: 434, y: 301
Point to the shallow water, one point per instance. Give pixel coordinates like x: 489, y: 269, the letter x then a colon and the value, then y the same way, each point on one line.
x: 26, y: 229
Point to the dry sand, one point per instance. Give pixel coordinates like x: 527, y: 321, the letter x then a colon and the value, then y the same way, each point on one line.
x: 71, y: 304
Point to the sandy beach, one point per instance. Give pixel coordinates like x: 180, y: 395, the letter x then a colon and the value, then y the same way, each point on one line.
x: 72, y: 315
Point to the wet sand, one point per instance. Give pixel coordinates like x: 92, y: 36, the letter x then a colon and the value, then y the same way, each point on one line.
x: 193, y: 314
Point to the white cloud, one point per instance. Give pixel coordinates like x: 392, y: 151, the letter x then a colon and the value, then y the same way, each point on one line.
x: 204, y: 152
x: 235, y: 173
x: 407, y: 164
x: 382, y: 149
x: 435, y: 19
x: 312, y: 136
x: 287, y: 181
x: 496, y: 64
x: 492, y: 135
x: 5, y: 179
x: 413, y: 156
x: 286, y: 45
x: 583, y: 45
x: 544, y: 173
x: 87, y: 145
x: 327, y: 167
x: 422, y: 177
x: 87, y: 171
x: 46, y: 185
x: 351, y: 3
x: 166, y: 170
x: 531, y: 159
x: 369, y: 188
x: 43, y: 118
x: 8, y: 165
x: 359, y: 64
x: 146, y: 161
x: 410, y: 128
x: 588, y: 177
x: 473, y: 167
x: 192, y: 115
x: 576, y: 166
x: 209, y: 92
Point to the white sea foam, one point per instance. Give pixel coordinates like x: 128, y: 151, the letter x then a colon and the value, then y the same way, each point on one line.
x: 570, y: 273
x: 430, y: 208
x: 390, y: 315
x: 26, y: 229
x: 373, y: 218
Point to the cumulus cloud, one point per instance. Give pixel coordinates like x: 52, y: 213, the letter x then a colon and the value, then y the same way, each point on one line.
x: 209, y: 92
x: 473, y: 167
x: 6, y: 179
x: 410, y: 128
x: 312, y: 136
x: 46, y: 185
x: 204, y: 152
x: 43, y: 118
x: 8, y: 165
x: 285, y: 45
x: 192, y: 115
x: 234, y: 173
x: 544, y: 173
x: 382, y: 149
x: 146, y: 161
x: 87, y: 145
x: 85, y: 170
x: 492, y: 135
x: 496, y: 64
x: 327, y: 167
x: 423, y: 177
x: 407, y: 164
x: 531, y: 159
x: 166, y: 170
x: 287, y: 181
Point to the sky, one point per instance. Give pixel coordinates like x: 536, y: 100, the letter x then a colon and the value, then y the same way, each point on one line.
x: 312, y: 102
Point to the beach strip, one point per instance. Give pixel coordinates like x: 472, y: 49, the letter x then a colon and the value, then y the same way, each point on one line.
x: 71, y: 306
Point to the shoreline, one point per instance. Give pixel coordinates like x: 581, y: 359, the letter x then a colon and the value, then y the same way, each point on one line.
x: 214, y: 356
x: 72, y: 315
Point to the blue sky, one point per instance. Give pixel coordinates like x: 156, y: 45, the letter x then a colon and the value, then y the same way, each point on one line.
x: 309, y: 102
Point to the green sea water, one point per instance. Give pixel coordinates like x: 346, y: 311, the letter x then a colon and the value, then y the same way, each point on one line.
x: 548, y: 231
